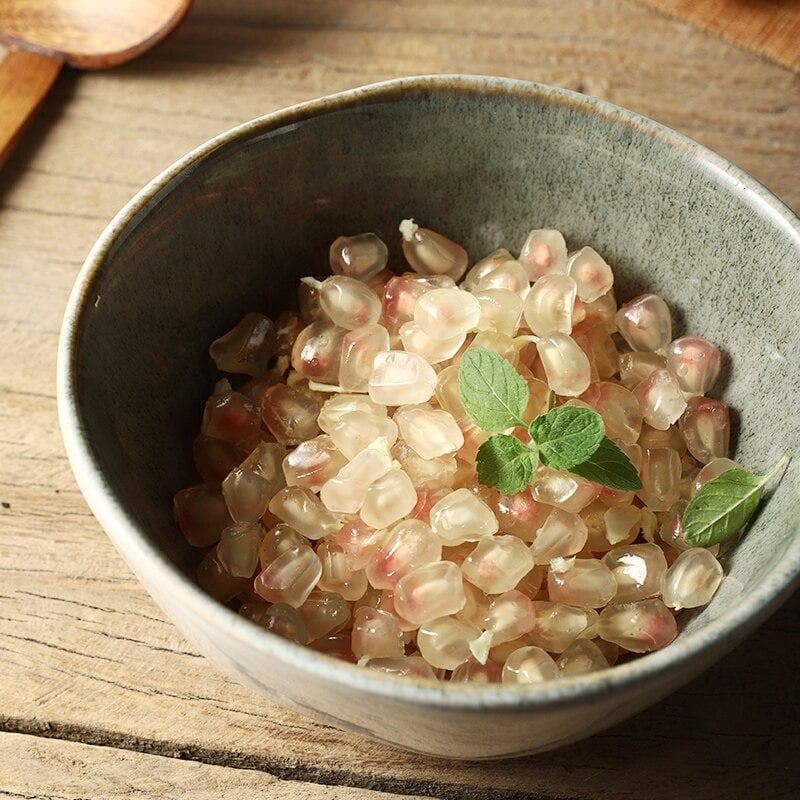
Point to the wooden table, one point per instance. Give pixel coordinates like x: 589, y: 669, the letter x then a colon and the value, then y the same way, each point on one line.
x: 100, y: 697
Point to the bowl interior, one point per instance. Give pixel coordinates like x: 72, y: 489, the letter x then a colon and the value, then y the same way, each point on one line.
x: 235, y: 229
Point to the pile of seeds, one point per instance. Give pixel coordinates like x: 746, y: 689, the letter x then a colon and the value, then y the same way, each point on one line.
x: 341, y: 505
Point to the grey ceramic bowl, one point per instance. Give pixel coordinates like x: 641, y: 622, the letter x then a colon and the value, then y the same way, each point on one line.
x: 232, y: 226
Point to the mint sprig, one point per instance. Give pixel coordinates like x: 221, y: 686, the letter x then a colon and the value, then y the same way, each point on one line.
x: 609, y: 466
x: 566, y: 435
x: 504, y: 462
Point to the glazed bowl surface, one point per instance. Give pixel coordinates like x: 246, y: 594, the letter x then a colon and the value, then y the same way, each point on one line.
x: 232, y: 227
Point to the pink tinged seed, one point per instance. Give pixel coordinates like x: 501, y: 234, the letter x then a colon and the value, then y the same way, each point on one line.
x: 303, y: 511
x: 389, y: 498
x: 238, y: 548
x: 563, y: 489
x: 201, y: 514
x: 233, y: 417
x: 563, y: 534
x: 359, y: 348
x: 529, y: 665
x: 645, y: 323
x: 312, y: 463
x: 376, y: 634
x: 361, y: 256
x: 428, y: 474
x: 429, y: 432
x: 521, y: 515
x: 400, y: 297
x: 411, y: 544
x: 460, y: 516
x: 434, y: 351
x: 337, y: 574
x: 359, y: 542
x: 248, y: 348
x: 446, y: 313
x: 290, y: 413
x: 317, y: 352
x: 400, y: 378
x: 601, y: 313
x: 661, y: 475
x: 548, y: 306
x: 216, y: 581
x: 484, y: 267
x: 280, y: 619
x: 619, y: 408
x: 591, y: 274
x: 336, y: 645
x: 290, y: 577
x: 706, y: 428
x: 544, y: 252
x: 501, y: 310
x: 472, y: 671
x: 712, y: 470
x: 403, y: 667
x: 444, y: 642
x: 428, y: 592
x: 638, y: 570
x: 498, y: 564
x: 559, y: 625
x: 696, y: 363
x: 692, y: 580
x: 509, y: 616
x: 634, y: 367
x: 249, y: 487
x: 276, y: 541
x: 581, y: 657
x: 510, y: 275
x: 640, y: 627
x: 348, y: 302
x: 565, y: 364
x: 661, y: 399
x: 587, y: 583
x: 214, y: 458
x: 324, y: 613
x: 430, y: 253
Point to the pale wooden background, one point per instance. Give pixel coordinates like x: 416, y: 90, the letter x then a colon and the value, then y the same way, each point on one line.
x: 99, y: 694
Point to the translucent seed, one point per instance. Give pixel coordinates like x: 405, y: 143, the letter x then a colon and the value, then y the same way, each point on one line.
x: 317, y: 351
x: 238, y: 548
x: 498, y: 343
x: 499, y: 653
x: 276, y: 541
x: 565, y: 364
x: 604, y: 351
x: 472, y: 671
x: 288, y: 325
x: 601, y: 313
x: 696, y: 363
x: 385, y: 602
x: 622, y: 416
x: 544, y: 252
x: 248, y: 348
x: 498, y: 564
x: 510, y: 275
x: 444, y: 642
x: 692, y: 580
x: 216, y: 581
x: 312, y: 463
x: 324, y: 613
x: 402, y: 667
x: 431, y: 591
x: 290, y: 577
x: 349, y: 303
x: 712, y: 470
x: 337, y: 406
x: 661, y: 474
x: 376, y: 634
x: 249, y: 487
x: 645, y: 323
x: 446, y: 313
x: 400, y: 378
x: 638, y: 570
x: 510, y: 615
x: 430, y: 253
x: 581, y: 657
x: 201, y: 514
x: 521, y: 515
x: 411, y: 544
x: 346, y: 491
x: 429, y: 432
x: 214, y: 458
x: 280, y: 619
x: 477, y: 603
x: 354, y: 431
x: 639, y: 627
x: 563, y: 489
x: 558, y: 625
x: 548, y: 306
x: 501, y: 310
x: 232, y: 417
x: 529, y: 665
x: 434, y: 351
x: 660, y: 399
x: 460, y: 516
x: 635, y: 367
x: 563, y: 534
x: 588, y: 583
x: 359, y: 542
x: 308, y: 302
x: 337, y: 645
x: 429, y: 474
x: 303, y: 511
x: 389, y: 498
x: 706, y: 428
x: 361, y: 256
x: 531, y: 582
x: 337, y: 574
x: 290, y: 413
x: 359, y: 348
x: 591, y: 274
x: 448, y: 395
x: 622, y: 524
x: 400, y: 297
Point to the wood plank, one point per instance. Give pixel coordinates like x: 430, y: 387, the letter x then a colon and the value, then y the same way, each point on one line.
x: 84, y: 653
x: 772, y: 29
x: 32, y: 767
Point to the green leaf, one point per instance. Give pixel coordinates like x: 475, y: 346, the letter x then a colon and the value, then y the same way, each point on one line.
x: 721, y: 507
x: 567, y: 435
x: 609, y: 466
x: 506, y: 463
x: 492, y: 392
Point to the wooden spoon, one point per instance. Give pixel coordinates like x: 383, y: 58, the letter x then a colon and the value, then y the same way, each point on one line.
x: 43, y: 35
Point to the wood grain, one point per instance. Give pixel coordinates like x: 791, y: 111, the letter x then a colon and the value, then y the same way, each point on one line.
x: 44, y: 768
x: 84, y: 653
x: 769, y: 27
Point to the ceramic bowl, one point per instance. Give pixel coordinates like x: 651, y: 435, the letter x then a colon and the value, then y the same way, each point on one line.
x: 232, y: 226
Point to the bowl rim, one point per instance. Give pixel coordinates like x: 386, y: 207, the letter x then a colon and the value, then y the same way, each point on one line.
x: 719, y: 635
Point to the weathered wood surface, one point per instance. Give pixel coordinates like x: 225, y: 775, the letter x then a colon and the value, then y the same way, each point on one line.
x: 84, y: 654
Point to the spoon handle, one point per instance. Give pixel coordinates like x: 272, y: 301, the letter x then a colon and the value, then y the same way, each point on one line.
x: 25, y: 78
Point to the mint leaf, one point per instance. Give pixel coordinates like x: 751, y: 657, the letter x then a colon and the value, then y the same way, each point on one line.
x: 609, y: 466
x: 504, y: 462
x: 493, y: 393
x: 721, y: 507
x: 567, y: 435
